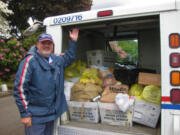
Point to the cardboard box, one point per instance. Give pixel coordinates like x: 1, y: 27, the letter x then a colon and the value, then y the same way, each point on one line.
x: 111, y: 115
x: 83, y: 111
x: 119, y: 88
x: 149, y: 79
x: 104, y: 72
x: 146, y: 113
x: 110, y: 92
x: 101, y: 58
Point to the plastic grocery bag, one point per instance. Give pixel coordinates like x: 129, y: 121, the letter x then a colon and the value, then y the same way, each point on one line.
x: 136, y: 90
x: 152, y: 94
x: 124, y: 101
x: 67, y: 89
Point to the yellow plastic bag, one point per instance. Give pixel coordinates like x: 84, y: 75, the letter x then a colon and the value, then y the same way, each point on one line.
x: 75, y: 69
x: 90, y: 75
x: 152, y: 94
x: 136, y: 90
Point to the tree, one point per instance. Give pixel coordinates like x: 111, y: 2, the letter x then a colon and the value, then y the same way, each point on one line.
x: 4, y: 25
x: 39, y: 9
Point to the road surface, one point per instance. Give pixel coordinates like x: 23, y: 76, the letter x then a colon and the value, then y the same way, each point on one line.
x: 9, y: 117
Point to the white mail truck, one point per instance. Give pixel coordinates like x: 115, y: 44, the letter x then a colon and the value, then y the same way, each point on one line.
x: 155, y: 25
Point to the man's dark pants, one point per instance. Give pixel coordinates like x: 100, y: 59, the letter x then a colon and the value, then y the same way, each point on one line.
x: 40, y: 129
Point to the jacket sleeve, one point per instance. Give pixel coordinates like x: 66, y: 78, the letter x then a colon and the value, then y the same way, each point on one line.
x: 70, y: 54
x: 21, y: 84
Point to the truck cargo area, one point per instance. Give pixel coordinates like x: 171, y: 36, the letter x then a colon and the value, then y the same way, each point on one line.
x: 96, y: 36
x: 145, y: 30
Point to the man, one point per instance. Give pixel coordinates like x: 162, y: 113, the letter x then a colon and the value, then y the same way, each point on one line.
x: 39, y: 85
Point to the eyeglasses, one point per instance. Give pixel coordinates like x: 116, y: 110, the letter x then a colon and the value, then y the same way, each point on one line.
x: 46, y: 43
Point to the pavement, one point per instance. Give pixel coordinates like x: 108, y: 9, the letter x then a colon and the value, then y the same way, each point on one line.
x: 9, y: 117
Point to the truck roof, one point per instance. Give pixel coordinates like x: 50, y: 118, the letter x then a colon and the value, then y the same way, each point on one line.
x: 127, y: 8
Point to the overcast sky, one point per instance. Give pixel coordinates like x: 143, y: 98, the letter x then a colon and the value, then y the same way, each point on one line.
x: 97, y: 4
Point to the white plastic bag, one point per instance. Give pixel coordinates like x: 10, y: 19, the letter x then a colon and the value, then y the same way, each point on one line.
x: 67, y: 89
x: 124, y: 101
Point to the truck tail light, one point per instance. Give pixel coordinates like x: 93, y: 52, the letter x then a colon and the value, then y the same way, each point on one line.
x: 175, y: 78
x: 175, y: 60
x: 104, y: 13
x: 174, y: 40
x: 175, y: 96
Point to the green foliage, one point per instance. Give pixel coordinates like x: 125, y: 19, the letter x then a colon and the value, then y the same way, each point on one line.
x: 11, y: 54
x: 29, y: 41
x: 38, y: 9
x: 131, y: 48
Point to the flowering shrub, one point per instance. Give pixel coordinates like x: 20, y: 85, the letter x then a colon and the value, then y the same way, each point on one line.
x: 4, y: 25
x: 11, y: 54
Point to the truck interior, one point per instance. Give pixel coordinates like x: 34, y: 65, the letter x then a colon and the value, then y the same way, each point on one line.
x: 145, y: 30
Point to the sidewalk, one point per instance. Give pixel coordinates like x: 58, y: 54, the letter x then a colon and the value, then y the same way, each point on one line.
x: 9, y: 115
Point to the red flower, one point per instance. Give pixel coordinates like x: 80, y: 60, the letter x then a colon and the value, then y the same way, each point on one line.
x: 7, y: 69
x: 1, y: 40
x: 1, y: 56
x: 18, y: 43
x: 5, y: 50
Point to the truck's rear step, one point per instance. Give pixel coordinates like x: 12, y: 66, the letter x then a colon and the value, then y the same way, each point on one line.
x: 79, y: 128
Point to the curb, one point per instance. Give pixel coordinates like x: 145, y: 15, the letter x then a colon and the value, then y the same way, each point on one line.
x: 6, y: 93
x: 9, y: 92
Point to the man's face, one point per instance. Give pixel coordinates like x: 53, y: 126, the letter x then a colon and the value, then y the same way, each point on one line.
x: 45, y: 48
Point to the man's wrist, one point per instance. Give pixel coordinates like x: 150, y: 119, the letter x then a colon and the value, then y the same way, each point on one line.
x: 74, y: 40
x: 25, y: 114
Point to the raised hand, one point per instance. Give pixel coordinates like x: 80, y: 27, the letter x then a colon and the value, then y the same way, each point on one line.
x: 74, y: 34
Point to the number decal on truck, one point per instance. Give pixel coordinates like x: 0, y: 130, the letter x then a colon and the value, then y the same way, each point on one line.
x: 67, y: 19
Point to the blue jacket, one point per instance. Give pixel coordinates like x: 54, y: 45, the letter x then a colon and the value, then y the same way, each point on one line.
x: 39, y: 86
